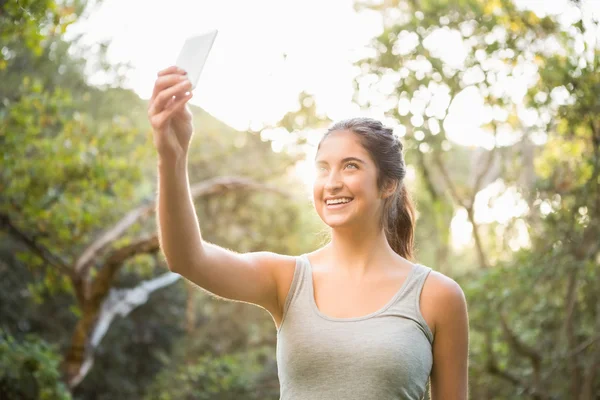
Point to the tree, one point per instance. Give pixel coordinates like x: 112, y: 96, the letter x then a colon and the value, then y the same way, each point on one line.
x: 29, y: 370
x: 78, y: 187
x: 533, y: 312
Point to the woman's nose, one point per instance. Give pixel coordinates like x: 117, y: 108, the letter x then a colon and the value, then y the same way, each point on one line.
x: 333, y: 182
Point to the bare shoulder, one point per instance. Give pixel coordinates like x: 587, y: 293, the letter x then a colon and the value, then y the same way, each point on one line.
x: 448, y: 308
x: 441, y: 299
x: 270, y: 259
x: 443, y: 287
x: 282, y: 268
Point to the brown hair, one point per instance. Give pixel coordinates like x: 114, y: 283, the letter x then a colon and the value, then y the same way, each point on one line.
x: 398, y: 217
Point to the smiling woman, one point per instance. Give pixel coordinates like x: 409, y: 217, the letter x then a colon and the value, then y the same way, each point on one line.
x: 361, y: 320
x: 347, y: 145
x: 355, y: 319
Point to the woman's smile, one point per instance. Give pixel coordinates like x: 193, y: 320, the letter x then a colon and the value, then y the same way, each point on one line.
x: 336, y: 205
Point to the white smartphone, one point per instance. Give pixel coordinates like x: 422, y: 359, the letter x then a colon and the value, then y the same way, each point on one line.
x: 194, y: 53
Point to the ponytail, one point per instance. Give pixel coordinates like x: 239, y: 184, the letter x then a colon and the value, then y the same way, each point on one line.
x: 400, y: 223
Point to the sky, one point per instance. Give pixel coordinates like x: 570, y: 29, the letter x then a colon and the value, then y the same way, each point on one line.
x: 268, y: 51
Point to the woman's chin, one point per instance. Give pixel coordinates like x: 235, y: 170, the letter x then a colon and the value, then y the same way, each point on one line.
x: 337, y: 221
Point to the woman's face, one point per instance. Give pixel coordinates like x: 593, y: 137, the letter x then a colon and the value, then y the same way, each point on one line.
x: 345, y: 190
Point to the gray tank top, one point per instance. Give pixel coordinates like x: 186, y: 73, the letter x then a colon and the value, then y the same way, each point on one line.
x: 383, y: 355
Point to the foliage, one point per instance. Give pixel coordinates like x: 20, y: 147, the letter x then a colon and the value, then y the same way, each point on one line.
x: 77, y: 158
x: 230, y: 376
x: 29, y: 370
x: 31, y: 22
x: 415, y: 80
x: 533, y: 312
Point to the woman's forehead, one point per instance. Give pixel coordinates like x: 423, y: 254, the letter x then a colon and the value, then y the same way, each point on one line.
x: 341, y: 144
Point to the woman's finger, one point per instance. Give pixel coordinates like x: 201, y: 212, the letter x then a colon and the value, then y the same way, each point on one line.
x: 162, y: 117
x: 162, y: 98
x: 173, y: 69
x: 179, y: 102
x: 165, y: 81
x: 171, y: 101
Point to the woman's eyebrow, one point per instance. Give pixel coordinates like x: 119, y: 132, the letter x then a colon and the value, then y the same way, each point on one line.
x: 343, y: 160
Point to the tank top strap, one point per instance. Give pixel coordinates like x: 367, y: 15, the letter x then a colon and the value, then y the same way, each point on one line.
x: 299, y: 286
x: 416, y: 280
x: 408, y: 303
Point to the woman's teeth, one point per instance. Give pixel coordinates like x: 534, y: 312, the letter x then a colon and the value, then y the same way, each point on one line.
x: 338, y: 201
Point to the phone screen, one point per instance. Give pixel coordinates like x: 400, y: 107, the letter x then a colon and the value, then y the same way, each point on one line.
x: 194, y: 53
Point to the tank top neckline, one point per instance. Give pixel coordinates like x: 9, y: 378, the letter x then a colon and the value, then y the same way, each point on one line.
x: 313, y: 303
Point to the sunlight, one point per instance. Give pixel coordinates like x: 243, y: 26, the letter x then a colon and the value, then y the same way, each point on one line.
x: 461, y: 230
x: 494, y: 204
x: 253, y: 75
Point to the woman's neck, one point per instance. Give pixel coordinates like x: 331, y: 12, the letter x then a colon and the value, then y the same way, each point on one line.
x: 358, y: 252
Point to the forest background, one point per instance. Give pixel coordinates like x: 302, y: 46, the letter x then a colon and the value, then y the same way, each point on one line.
x: 88, y: 309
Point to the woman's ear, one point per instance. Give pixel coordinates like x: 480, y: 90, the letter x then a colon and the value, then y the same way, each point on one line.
x: 389, y: 188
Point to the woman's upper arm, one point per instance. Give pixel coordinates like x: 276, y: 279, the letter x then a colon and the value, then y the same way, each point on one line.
x: 449, y: 375
x: 258, y: 278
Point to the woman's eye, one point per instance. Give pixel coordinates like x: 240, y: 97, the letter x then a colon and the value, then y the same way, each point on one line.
x: 324, y: 169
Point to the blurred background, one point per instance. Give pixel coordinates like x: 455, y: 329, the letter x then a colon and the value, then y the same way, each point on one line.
x: 497, y: 103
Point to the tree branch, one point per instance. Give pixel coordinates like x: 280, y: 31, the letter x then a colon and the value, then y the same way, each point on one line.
x: 86, y: 259
x: 205, y: 188
x: 119, y: 302
x: 100, y: 287
x: 41, y: 251
x: 431, y: 188
x: 440, y: 164
x: 493, y: 368
x: 483, y: 172
x: 520, y: 347
x: 78, y: 359
x: 527, y: 351
x: 483, y: 262
x: 469, y: 207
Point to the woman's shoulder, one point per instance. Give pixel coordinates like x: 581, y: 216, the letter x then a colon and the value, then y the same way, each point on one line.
x: 441, y: 298
x: 281, y: 267
x: 442, y: 284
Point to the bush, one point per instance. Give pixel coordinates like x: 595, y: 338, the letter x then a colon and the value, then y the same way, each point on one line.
x: 29, y: 369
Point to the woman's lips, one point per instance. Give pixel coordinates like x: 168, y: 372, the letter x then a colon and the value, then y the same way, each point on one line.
x: 337, y: 206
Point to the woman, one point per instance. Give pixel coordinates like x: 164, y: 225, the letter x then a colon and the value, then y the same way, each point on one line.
x: 355, y: 319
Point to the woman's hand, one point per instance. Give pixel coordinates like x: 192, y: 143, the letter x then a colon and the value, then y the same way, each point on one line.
x: 169, y: 115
